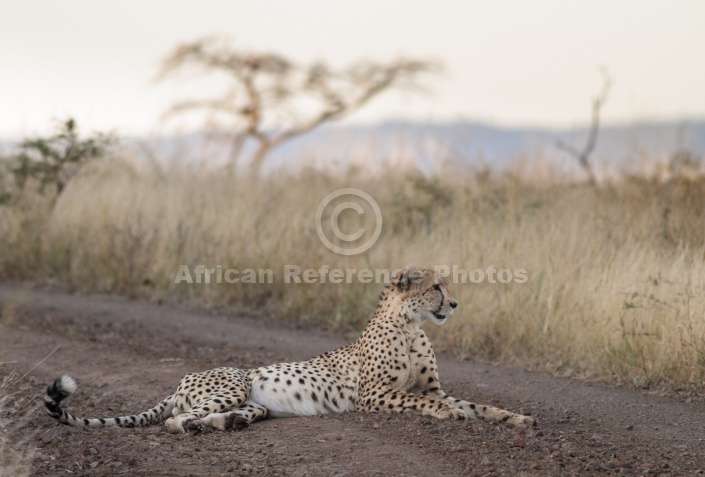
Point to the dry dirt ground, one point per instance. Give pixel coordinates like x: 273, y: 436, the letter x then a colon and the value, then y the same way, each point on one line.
x: 127, y: 355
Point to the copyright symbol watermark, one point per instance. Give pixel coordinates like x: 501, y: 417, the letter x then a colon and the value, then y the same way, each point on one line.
x: 348, y: 221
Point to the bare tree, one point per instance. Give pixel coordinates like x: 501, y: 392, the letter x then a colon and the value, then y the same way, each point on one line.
x: 583, y: 156
x: 271, y: 99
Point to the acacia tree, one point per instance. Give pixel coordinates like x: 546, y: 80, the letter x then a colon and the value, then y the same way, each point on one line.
x: 271, y: 99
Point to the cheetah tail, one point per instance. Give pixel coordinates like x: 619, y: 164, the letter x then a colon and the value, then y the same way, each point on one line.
x: 65, y: 385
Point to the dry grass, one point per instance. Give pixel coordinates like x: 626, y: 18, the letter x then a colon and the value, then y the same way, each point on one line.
x: 16, y: 443
x: 616, y: 276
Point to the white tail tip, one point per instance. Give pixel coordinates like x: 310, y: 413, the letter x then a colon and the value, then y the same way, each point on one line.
x: 68, y: 384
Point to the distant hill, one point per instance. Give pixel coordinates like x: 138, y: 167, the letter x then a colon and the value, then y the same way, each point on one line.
x: 481, y: 144
x: 424, y: 145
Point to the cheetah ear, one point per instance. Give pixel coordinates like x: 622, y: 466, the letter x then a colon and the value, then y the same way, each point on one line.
x: 405, y: 278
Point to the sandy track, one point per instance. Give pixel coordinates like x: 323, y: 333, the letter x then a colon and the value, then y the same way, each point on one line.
x: 127, y: 355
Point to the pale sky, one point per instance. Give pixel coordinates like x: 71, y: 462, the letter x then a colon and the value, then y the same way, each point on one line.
x: 518, y: 62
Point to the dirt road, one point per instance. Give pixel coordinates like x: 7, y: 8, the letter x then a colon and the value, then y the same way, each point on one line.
x: 128, y: 355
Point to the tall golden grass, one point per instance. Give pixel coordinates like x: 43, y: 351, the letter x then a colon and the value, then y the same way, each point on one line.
x: 616, y: 275
x: 17, y: 446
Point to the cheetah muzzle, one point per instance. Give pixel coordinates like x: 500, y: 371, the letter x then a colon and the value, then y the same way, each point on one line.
x: 390, y: 368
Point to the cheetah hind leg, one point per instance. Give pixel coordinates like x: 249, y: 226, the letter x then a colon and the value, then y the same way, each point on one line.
x: 193, y: 420
x: 237, y: 419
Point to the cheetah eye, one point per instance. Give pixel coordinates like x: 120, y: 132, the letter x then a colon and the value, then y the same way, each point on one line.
x: 437, y: 287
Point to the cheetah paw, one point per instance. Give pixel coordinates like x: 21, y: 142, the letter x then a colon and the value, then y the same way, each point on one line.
x: 452, y: 413
x: 527, y: 421
x: 194, y: 426
x: 530, y: 421
x: 235, y: 423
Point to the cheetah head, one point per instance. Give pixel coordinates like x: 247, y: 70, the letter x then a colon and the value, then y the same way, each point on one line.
x: 422, y: 295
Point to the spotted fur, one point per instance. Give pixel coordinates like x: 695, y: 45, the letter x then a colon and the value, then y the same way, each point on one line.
x: 390, y: 368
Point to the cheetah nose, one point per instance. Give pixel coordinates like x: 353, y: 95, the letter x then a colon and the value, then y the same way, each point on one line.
x: 453, y: 304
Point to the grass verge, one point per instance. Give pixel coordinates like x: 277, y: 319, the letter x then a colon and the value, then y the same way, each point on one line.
x: 616, y: 276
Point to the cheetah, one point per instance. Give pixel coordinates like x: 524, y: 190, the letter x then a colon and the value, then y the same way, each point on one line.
x: 390, y: 368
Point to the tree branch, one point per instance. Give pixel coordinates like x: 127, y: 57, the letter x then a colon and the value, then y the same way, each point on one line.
x: 583, y: 156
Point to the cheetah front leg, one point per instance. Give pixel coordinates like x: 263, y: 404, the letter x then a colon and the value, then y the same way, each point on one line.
x: 385, y: 399
x: 427, y: 383
x: 381, y: 388
x: 490, y: 413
